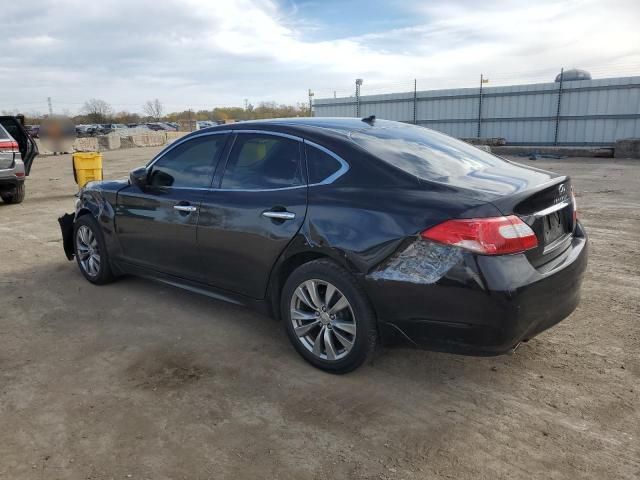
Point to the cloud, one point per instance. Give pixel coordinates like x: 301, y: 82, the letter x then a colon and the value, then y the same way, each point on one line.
x: 200, y: 53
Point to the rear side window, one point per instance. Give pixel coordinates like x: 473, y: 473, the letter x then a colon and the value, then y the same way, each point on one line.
x: 3, y: 133
x: 189, y: 165
x: 321, y: 165
x: 11, y: 127
x: 259, y: 161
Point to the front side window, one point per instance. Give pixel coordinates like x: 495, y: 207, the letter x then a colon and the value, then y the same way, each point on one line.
x: 189, y: 165
x: 259, y: 161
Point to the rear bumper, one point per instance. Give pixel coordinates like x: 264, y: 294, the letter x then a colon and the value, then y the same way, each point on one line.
x: 481, y: 305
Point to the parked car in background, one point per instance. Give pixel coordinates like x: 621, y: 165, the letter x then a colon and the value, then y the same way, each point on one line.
x: 205, y: 124
x: 33, y: 130
x: 17, y: 152
x: 107, y: 128
x: 353, y: 232
x: 161, y: 126
x: 88, y: 130
x: 155, y: 127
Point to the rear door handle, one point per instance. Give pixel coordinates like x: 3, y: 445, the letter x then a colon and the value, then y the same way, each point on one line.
x: 185, y: 208
x: 279, y: 215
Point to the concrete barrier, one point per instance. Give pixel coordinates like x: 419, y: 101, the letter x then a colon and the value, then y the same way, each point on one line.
x: 109, y: 142
x: 492, y: 142
x: 602, y: 152
x: 627, y: 148
x: 171, y: 136
x: 151, y: 139
x: 87, y: 144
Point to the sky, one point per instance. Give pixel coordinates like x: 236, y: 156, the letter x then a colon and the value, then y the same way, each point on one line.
x: 201, y: 54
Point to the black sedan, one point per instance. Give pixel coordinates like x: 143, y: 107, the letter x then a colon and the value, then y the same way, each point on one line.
x: 353, y: 232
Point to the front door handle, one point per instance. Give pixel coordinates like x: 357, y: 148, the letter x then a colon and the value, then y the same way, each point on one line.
x: 185, y: 208
x: 279, y: 215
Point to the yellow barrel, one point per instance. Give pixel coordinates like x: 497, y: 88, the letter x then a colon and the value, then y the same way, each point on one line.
x: 87, y: 166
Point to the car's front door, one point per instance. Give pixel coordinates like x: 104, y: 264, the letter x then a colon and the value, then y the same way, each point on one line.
x: 156, y: 225
x: 259, y: 206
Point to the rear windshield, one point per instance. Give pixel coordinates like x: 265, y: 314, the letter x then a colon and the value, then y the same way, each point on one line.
x: 425, y: 153
x: 3, y: 133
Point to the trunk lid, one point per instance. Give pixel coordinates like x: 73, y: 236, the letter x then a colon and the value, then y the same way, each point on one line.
x: 549, y: 209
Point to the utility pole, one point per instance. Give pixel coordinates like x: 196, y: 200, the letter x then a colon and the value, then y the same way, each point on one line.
x: 482, y: 81
x: 358, y: 85
x: 246, y: 104
x: 310, y: 103
x: 50, y: 107
x: 415, y: 101
x: 555, y: 137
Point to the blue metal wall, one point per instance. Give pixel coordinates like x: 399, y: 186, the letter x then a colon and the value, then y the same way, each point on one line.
x: 592, y: 112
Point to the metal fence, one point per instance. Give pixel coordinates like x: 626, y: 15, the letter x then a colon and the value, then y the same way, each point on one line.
x: 572, y: 113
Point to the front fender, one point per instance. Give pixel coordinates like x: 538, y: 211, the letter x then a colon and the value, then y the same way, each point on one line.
x: 98, y: 203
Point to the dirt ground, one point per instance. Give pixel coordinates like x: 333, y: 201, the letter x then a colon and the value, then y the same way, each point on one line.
x: 144, y: 381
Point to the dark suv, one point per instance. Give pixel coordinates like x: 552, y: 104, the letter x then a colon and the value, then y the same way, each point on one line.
x: 17, y: 152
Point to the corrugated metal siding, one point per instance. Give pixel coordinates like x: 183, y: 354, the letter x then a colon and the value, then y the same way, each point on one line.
x: 592, y: 111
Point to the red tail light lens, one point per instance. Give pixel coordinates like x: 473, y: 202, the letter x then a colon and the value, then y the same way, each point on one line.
x: 7, y: 146
x: 575, y: 206
x: 487, y: 236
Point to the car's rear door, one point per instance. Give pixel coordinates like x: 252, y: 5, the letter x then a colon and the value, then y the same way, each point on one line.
x: 156, y: 226
x: 260, y: 205
x: 26, y: 144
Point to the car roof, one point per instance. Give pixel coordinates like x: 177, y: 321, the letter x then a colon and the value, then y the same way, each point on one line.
x: 343, y: 125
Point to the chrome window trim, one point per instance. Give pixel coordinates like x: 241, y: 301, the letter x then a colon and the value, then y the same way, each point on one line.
x: 344, y: 166
x: 269, y: 132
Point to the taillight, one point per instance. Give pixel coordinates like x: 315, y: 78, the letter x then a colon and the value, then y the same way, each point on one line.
x: 8, y: 146
x: 575, y: 206
x: 487, y: 236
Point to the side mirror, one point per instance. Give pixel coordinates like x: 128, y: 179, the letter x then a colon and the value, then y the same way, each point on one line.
x: 139, y: 177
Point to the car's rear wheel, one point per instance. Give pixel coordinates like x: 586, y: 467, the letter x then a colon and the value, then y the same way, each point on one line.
x: 328, y: 317
x: 90, y: 250
x: 16, y: 196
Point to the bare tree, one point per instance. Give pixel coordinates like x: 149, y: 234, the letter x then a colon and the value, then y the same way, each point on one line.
x: 153, y: 108
x: 97, y: 110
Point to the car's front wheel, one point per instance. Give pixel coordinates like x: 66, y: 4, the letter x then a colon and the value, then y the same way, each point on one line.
x: 90, y: 250
x: 328, y: 317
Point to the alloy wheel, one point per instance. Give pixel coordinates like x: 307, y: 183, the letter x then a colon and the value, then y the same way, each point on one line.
x: 88, y: 250
x: 323, y: 319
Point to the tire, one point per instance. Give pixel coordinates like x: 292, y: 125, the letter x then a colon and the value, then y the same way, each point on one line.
x: 326, y: 333
x: 17, y: 196
x: 88, y: 242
